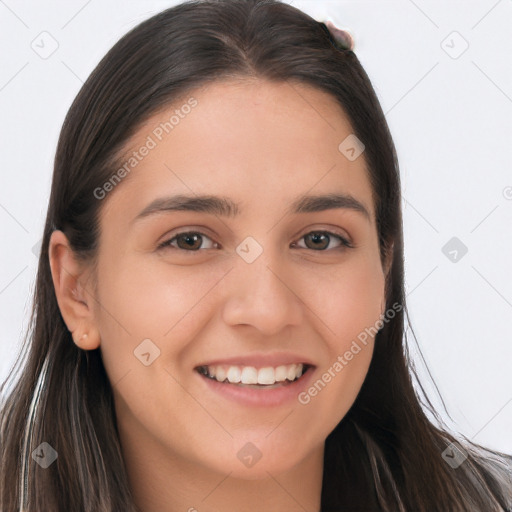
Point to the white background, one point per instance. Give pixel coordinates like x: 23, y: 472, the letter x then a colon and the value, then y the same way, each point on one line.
x: 451, y: 119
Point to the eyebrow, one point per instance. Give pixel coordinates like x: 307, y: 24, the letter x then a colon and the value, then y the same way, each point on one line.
x: 224, y: 206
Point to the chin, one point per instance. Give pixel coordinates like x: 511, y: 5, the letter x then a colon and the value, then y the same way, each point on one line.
x: 250, y: 463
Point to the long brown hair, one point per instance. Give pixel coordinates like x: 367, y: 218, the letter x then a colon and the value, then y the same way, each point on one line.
x: 385, y: 454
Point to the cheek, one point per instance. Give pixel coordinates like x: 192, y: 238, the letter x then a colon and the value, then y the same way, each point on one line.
x: 348, y: 304
x: 347, y: 298
x: 149, y: 297
x: 151, y: 301
x: 335, y: 387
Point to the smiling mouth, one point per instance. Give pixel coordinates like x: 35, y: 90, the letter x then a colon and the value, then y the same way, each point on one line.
x: 250, y: 377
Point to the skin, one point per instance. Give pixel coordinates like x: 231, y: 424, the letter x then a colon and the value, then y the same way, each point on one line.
x: 261, y: 144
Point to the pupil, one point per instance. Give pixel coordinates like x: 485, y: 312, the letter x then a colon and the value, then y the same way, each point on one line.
x: 190, y: 239
x: 316, y: 238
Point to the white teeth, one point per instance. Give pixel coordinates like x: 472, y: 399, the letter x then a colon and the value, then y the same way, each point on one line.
x: 250, y: 375
x: 233, y: 374
x: 220, y: 373
x: 292, y: 372
x: 281, y: 373
x: 266, y: 376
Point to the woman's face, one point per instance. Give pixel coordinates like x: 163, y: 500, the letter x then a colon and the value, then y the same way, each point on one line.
x: 260, y: 286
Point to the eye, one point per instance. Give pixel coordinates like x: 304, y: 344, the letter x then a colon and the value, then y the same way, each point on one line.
x: 191, y: 241
x: 320, y: 240
x: 188, y: 241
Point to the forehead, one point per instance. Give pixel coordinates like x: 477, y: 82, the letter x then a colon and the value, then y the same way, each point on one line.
x: 253, y: 140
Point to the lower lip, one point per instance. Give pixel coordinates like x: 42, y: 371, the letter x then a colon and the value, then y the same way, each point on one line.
x: 264, y: 397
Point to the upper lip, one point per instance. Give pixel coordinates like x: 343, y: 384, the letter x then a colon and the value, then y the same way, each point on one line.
x: 260, y: 360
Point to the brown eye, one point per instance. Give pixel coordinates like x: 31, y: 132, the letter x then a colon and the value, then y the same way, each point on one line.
x: 187, y: 241
x: 320, y: 240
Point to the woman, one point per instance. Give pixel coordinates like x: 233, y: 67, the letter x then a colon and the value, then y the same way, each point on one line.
x: 219, y: 308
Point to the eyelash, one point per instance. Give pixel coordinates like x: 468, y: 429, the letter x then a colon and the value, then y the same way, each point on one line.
x: 344, y: 242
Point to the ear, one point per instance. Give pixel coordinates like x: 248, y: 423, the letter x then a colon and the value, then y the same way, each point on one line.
x: 75, y: 300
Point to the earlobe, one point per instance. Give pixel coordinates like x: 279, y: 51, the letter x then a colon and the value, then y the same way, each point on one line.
x: 86, y: 340
x: 74, y: 300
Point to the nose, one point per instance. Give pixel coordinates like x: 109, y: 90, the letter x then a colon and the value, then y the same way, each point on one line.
x: 264, y: 294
